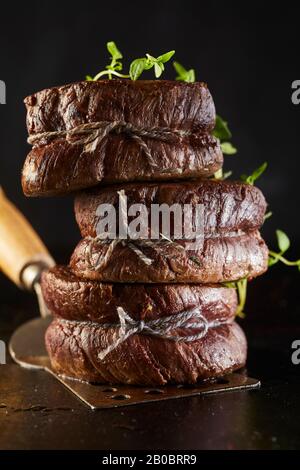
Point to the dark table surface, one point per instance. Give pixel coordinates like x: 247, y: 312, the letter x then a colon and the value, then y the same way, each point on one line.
x: 37, y: 412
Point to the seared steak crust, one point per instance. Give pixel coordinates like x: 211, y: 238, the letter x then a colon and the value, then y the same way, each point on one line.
x: 220, y: 259
x: 228, y: 206
x: 73, y: 298
x: 143, y: 103
x: 74, y: 347
x: 60, y: 166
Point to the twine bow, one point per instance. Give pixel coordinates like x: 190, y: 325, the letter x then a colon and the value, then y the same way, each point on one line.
x: 91, y: 134
x: 161, y: 327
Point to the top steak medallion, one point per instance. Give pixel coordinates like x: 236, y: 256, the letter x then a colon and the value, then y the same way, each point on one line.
x: 149, y: 130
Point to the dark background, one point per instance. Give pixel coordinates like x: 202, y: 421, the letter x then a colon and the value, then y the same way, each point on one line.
x: 247, y: 53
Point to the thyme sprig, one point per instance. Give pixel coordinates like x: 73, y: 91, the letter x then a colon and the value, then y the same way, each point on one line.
x: 137, y: 66
x: 184, y: 75
x: 241, y: 287
x: 284, y: 244
x: 255, y: 175
x: 222, y: 132
x: 115, y: 65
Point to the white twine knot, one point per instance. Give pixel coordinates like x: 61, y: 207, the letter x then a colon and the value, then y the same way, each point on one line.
x: 91, y: 134
x: 161, y: 327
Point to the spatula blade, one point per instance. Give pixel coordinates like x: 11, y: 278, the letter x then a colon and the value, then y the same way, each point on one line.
x: 27, y: 344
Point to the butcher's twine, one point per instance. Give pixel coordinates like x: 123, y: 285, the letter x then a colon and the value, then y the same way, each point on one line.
x: 91, y: 134
x: 102, y: 260
x: 99, y: 263
x: 161, y: 327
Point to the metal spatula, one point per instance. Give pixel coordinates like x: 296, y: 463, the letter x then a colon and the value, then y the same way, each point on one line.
x: 23, y: 257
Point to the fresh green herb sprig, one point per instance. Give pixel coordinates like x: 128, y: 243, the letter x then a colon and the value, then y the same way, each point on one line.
x: 284, y: 244
x: 222, y: 132
x: 255, y: 175
x: 184, y: 75
x: 268, y: 215
x: 115, y: 65
x: 241, y: 287
x: 138, y: 66
x: 220, y: 175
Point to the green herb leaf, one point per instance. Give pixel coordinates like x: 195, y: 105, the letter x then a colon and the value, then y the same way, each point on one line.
x: 272, y: 260
x: 184, y: 75
x: 150, y: 61
x: 218, y: 175
x: 158, y: 69
x: 283, y: 245
x: 115, y: 66
x: 146, y: 63
x: 165, y: 57
x: 228, y: 148
x: 221, y: 130
x: 268, y: 215
x: 259, y: 171
x: 89, y: 78
x: 229, y: 284
x: 255, y: 175
x: 283, y: 241
x: 241, y: 287
x: 114, y: 51
x: 227, y: 174
x: 137, y: 67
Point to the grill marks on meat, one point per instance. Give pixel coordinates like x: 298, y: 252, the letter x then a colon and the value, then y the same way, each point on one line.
x: 220, y: 260
x: 60, y: 167
x: 143, y: 360
x: 228, y: 206
x: 74, y: 298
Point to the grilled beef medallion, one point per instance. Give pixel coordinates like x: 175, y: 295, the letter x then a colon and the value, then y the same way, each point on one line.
x: 227, y: 206
x: 72, y: 298
x: 221, y: 259
x: 117, y: 131
x: 75, y: 350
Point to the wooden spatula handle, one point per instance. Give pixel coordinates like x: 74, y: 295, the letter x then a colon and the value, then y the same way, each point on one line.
x: 20, y: 246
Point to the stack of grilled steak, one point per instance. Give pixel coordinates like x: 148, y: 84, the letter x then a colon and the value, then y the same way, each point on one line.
x: 146, y: 312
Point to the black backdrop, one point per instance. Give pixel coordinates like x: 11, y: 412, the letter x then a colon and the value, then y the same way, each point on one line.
x: 246, y: 52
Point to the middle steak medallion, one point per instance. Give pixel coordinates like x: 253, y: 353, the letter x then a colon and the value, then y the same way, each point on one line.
x: 232, y: 247
x: 72, y: 298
